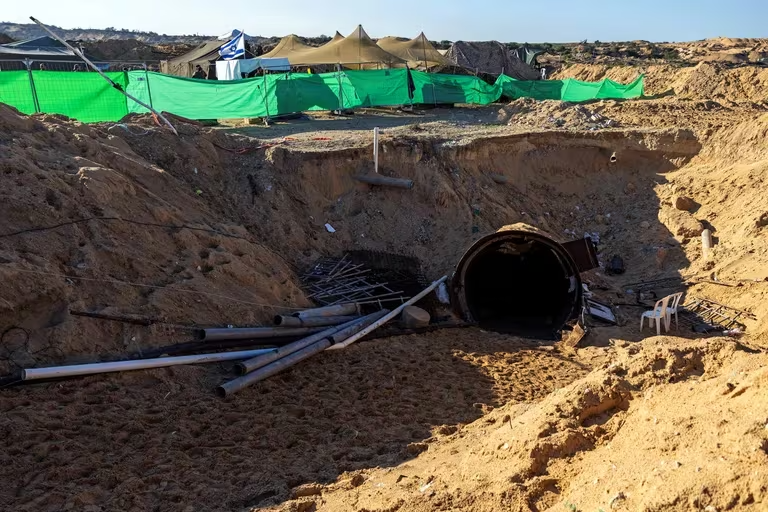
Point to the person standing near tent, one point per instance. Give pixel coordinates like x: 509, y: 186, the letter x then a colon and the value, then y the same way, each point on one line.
x: 199, y: 73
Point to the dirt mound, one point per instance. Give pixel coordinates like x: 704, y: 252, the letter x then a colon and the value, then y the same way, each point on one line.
x: 131, y: 50
x: 88, y: 224
x: 694, y: 410
x: 704, y: 117
x: 553, y: 114
x: 705, y: 81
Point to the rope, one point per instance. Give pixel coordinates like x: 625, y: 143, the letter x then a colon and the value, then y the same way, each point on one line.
x: 7, y: 353
x: 140, y: 223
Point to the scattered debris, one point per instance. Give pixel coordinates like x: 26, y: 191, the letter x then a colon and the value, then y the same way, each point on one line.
x: 414, y: 317
x: 353, y: 279
x: 615, y: 265
x: 707, y: 316
x: 600, y: 311
x: 442, y: 294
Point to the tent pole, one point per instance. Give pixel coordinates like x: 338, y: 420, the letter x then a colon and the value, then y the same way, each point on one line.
x: 341, y: 91
x: 376, y: 150
x: 105, y: 77
x: 149, y: 90
x: 264, y: 95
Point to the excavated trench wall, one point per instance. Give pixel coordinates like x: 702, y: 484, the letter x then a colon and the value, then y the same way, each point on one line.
x: 265, y: 213
x: 563, y: 184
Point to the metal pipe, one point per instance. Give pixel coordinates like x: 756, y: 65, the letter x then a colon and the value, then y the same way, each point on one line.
x: 384, y: 180
x: 233, y: 386
x: 269, y: 368
x: 336, y: 292
x: 376, y: 150
x: 387, y: 317
x: 339, y: 310
x: 706, y: 243
x: 258, y: 362
x: 55, y: 372
x: 252, y: 333
x: 313, y: 321
x: 346, y: 332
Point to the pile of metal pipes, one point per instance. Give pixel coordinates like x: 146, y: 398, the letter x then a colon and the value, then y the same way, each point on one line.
x: 207, y: 339
x: 333, y: 282
x: 258, y: 363
x: 259, y: 368
x: 333, y: 338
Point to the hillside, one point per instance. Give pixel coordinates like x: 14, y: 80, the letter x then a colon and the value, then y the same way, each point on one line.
x: 21, y: 31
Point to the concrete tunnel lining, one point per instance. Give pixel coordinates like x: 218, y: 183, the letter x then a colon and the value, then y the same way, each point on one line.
x: 518, y: 282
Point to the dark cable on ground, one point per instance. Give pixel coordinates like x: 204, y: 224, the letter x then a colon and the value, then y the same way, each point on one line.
x: 140, y: 223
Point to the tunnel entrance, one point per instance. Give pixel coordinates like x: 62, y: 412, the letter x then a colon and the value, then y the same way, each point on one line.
x: 518, y: 282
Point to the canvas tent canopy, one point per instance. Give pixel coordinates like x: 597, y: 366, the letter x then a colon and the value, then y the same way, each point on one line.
x: 528, y: 55
x: 204, y: 55
x: 491, y: 57
x: 357, y: 51
x: 288, y: 45
x: 40, y: 50
x: 417, y: 52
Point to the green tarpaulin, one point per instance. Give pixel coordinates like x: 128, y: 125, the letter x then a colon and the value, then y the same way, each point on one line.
x: 206, y: 99
x: 569, y: 89
x: 437, y: 88
x: 379, y: 87
x: 16, y: 91
x: 89, y: 98
x: 300, y: 92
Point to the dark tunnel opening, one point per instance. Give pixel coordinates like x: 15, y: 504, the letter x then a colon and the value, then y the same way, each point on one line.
x: 519, y: 283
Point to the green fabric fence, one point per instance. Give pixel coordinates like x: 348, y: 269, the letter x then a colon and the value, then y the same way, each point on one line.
x: 16, y: 91
x: 438, y: 88
x: 571, y: 90
x: 89, y: 98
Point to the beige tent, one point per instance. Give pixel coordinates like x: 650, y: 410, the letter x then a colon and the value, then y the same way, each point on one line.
x: 418, y: 52
x: 357, y: 51
x: 287, y: 46
x: 205, y: 55
x: 337, y: 37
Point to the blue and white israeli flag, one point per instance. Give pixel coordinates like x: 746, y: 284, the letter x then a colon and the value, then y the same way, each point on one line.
x: 233, y: 49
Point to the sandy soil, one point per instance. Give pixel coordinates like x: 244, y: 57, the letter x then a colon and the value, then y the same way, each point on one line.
x: 668, y: 425
x: 137, y: 440
x: 215, y: 226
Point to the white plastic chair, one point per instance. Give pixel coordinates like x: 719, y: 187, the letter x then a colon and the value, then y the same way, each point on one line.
x: 658, y: 313
x: 672, y: 309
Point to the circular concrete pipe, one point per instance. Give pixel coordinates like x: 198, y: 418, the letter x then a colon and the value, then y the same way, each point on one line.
x: 518, y: 281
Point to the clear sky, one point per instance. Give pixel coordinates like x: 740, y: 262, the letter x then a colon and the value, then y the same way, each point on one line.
x: 504, y: 20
